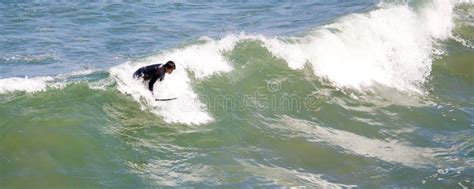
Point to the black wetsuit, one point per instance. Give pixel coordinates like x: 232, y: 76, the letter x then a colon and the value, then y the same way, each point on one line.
x: 152, y: 73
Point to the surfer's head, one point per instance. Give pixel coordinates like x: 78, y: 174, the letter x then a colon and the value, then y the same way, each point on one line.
x: 169, y: 66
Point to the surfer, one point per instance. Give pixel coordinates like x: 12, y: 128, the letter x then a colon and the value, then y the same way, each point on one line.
x: 154, y: 72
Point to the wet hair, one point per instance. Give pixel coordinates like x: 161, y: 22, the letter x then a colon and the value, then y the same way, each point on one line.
x: 170, y: 65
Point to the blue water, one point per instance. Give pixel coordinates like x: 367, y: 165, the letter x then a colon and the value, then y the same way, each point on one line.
x: 53, y: 38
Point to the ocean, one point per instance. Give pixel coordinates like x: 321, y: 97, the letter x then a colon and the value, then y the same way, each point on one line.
x: 270, y: 94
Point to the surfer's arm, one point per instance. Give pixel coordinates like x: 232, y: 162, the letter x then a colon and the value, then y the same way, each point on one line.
x: 151, y: 83
x: 158, y: 73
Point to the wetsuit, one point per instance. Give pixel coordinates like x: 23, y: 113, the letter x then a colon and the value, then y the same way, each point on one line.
x: 152, y: 73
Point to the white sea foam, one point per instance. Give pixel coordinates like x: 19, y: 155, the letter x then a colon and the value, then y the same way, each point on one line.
x: 101, y: 84
x: 36, y: 84
x: 386, y: 150
x: 76, y: 73
x: 466, y: 1
x: 464, y: 42
x: 393, y: 46
x: 24, y: 84
x: 29, y: 58
x: 203, y: 60
x: 290, y: 177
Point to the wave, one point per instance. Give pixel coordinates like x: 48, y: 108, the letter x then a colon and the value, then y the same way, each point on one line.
x: 24, y: 84
x: 392, y: 46
x: 37, y: 84
x: 203, y: 60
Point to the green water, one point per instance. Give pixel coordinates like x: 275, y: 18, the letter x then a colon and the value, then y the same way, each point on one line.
x: 272, y: 126
x: 84, y: 138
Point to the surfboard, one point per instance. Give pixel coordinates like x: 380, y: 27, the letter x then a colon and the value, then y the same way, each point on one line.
x: 165, y: 99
